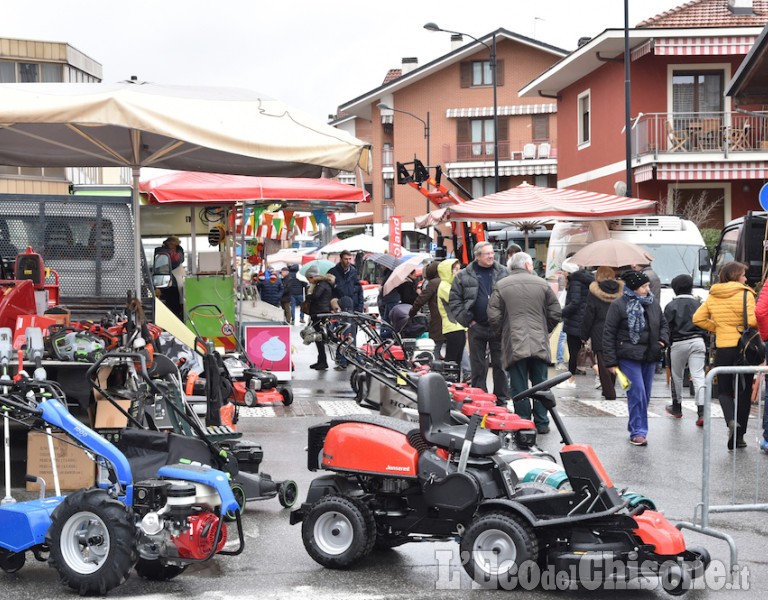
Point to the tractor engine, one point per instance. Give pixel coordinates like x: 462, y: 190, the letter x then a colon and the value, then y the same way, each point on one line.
x: 176, y: 520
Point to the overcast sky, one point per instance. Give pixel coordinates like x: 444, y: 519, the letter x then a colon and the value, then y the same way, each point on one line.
x: 311, y: 54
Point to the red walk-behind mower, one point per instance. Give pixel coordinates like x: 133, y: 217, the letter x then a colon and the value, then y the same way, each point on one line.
x: 392, y: 482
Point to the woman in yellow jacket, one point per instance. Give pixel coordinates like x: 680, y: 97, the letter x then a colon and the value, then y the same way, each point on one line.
x: 723, y: 314
x: 455, y: 332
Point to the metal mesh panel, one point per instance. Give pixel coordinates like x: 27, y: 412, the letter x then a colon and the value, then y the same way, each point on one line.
x: 88, y: 241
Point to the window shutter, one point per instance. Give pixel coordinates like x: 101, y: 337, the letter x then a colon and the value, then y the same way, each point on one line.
x: 466, y: 74
x: 540, y: 127
x: 499, y: 72
x: 463, y: 134
x: 503, y: 129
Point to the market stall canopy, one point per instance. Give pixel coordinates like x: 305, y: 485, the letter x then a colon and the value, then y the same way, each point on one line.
x: 226, y: 130
x: 527, y: 202
x: 296, y: 193
x: 189, y: 128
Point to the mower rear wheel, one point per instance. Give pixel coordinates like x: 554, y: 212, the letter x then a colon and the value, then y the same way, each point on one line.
x: 154, y: 570
x: 287, y: 493
x: 338, y: 531
x: 287, y: 395
x: 675, y: 578
x: 92, y: 541
x: 10, y: 562
x: 495, y: 546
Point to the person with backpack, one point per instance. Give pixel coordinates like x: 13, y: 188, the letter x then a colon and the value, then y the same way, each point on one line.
x: 295, y: 288
x: 723, y: 314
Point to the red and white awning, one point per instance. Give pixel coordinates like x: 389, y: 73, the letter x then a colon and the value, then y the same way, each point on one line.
x: 537, y: 168
x: 644, y: 173
x: 527, y: 202
x: 509, y: 110
x: 703, y: 46
x: 712, y: 171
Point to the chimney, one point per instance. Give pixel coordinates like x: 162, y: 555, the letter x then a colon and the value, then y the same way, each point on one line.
x: 457, y: 41
x: 740, y: 7
x: 409, y: 64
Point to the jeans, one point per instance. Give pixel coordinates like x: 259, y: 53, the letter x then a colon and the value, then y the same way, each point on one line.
x: 519, y: 373
x: 296, y: 300
x: 640, y: 374
x: 480, y: 339
x: 561, y: 346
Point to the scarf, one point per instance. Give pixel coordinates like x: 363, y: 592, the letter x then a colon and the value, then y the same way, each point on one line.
x: 635, y: 312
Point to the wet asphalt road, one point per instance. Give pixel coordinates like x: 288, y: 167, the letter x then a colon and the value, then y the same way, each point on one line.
x: 275, y: 564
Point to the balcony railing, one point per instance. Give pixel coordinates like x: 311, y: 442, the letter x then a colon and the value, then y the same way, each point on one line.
x: 508, y: 150
x: 712, y: 132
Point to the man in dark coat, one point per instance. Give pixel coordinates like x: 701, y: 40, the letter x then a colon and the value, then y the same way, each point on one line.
x: 349, y: 291
x: 295, y: 287
x: 468, y: 302
x: 270, y: 287
x: 573, y: 312
x: 319, y: 296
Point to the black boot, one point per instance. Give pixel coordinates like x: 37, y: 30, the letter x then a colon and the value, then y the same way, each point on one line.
x: 675, y: 409
x: 319, y: 366
x: 731, y: 434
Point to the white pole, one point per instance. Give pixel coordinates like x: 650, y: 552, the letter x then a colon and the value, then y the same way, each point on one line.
x: 54, y: 468
x: 9, y: 499
x: 137, y: 249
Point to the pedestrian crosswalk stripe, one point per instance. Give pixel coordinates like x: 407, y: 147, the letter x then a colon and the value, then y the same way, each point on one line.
x: 716, y: 412
x: 335, y: 408
x: 256, y: 411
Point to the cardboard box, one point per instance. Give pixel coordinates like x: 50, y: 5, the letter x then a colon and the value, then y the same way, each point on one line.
x: 109, y: 417
x: 75, y: 469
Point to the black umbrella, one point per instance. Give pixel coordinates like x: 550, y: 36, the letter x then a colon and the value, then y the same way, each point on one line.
x: 386, y: 260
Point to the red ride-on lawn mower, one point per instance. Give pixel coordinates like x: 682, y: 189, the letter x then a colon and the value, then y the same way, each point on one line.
x: 392, y: 482
x: 251, y: 386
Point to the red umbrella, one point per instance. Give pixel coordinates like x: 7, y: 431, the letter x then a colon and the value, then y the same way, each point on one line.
x: 216, y: 188
x: 526, y: 202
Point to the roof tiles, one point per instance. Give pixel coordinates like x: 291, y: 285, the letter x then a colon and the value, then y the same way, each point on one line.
x: 709, y: 13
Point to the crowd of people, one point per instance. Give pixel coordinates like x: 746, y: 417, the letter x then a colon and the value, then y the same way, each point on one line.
x: 499, y: 318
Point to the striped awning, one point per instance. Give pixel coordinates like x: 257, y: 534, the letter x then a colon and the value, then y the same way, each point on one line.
x: 548, y: 168
x: 712, y: 171
x: 532, y: 202
x: 641, y: 50
x: 643, y: 173
x: 509, y: 110
x: 704, y: 46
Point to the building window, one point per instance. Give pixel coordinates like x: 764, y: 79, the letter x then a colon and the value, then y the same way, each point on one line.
x: 30, y: 72
x: 482, y: 136
x: 7, y: 72
x: 475, y: 139
x: 477, y: 73
x: 584, y: 118
x: 482, y: 186
x: 540, y: 127
x: 697, y: 92
x: 387, y: 190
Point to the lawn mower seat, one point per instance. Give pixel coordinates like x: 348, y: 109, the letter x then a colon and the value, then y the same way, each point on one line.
x: 435, y: 420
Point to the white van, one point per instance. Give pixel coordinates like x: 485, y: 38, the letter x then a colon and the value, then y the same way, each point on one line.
x: 676, y: 244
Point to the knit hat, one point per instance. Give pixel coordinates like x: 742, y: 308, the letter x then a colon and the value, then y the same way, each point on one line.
x: 312, y: 271
x: 682, y: 284
x: 635, y: 279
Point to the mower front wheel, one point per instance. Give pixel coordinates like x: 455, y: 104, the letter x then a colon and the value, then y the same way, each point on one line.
x: 92, y: 541
x: 338, y: 531
x: 287, y: 493
x: 495, y: 546
x: 287, y: 395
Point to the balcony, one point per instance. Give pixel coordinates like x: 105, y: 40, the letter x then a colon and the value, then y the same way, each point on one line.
x: 517, y: 150
x: 718, y: 133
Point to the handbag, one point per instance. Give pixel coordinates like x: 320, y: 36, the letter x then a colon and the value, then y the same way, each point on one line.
x: 750, y: 350
x: 585, y: 359
x: 305, y: 307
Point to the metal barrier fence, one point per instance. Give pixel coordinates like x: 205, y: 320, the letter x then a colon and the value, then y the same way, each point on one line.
x: 702, y: 511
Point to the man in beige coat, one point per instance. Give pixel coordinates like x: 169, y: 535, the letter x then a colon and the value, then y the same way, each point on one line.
x: 525, y: 310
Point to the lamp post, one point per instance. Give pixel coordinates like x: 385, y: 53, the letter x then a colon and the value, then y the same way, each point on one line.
x: 492, y: 52
x: 383, y: 106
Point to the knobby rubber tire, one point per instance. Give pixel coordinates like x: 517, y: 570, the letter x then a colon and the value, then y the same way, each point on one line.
x: 89, y: 523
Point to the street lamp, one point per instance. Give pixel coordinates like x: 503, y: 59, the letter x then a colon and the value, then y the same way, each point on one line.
x: 492, y: 51
x: 383, y: 106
